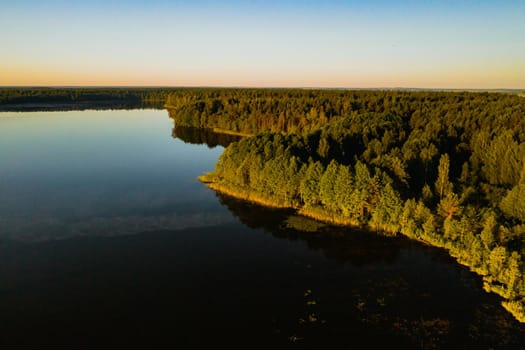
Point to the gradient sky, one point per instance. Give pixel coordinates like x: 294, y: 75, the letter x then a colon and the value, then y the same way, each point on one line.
x: 433, y: 44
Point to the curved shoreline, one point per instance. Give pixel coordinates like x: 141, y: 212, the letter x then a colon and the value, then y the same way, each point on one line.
x: 514, y: 307
x: 318, y: 214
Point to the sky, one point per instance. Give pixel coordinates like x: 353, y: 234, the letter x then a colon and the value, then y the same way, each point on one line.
x: 375, y: 43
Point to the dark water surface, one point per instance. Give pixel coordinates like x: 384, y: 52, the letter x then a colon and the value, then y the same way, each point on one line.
x: 107, y: 240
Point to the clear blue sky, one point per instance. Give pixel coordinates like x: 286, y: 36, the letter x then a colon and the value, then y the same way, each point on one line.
x: 439, y: 44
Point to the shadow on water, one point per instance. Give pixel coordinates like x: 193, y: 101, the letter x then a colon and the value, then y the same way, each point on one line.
x: 409, y: 294
x: 343, y: 245
x: 203, y: 136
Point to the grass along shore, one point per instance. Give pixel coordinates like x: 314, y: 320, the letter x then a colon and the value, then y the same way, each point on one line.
x: 513, y: 306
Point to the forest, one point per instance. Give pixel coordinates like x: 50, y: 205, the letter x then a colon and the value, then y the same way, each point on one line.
x: 446, y: 168
x: 47, y: 98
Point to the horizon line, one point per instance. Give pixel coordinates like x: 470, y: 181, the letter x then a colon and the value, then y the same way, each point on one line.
x: 263, y: 87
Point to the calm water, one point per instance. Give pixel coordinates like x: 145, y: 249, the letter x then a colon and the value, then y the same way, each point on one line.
x: 107, y: 240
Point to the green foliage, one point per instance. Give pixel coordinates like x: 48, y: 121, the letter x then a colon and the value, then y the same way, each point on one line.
x: 488, y: 235
x: 443, y: 185
x: 450, y: 206
x: 385, y: 214
x: 497, y: 259
x: 501, y: 158
x: 343, y: 191
x: 272, y: 166
x: 309, y: 185
x: 513, y: 204
x: 327, y: 187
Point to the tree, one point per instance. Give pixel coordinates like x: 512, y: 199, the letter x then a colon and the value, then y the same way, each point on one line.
x: 443, y: 185
x: 476, y: 254
x: 363, y: 191
x: 327, y: 187
x: 387, y: 211
x: 450, y: 206
x: 502, y: 160
x: 497, y: 258
x: 343, y: 190
x: 309, y: 186
x: 513, y: 204
x: 512, y: 276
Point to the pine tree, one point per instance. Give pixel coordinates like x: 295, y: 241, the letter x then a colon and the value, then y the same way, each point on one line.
x: 343, y: 190
x: 497, y: 259
x: 309, y: 186
x: 513, y: 204
x: 450, y: 206
x: 362, y: 190
x: 327, y: 187
x: 387, y: 210
x: 443, y: 185
x: 489, y: 231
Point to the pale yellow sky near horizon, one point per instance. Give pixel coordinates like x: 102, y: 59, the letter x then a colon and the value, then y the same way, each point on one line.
x: 462, y: 78
x: 280, y: 44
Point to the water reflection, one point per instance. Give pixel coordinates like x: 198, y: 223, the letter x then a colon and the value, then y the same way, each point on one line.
x: 80, y: 106
x: 344, y: 245
x: 415, y: 296
x: 198, y: 136
x: 52, y: 228
x: 100, y: 173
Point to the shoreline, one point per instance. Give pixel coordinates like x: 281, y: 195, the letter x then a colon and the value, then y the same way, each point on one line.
x: 515, y: 307
x: 318, y: 214
x: 230, y: 132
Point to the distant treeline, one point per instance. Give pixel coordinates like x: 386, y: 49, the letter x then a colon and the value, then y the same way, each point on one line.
x: 81, y: 98
x: 294, y: 110
x: 443, y: 167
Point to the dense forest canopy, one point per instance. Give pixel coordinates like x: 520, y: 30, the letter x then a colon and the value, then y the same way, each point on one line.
x: 403, y: 133
x: 444, y: 167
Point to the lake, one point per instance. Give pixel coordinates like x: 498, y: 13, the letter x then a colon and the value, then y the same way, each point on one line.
x: 107, y: 240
